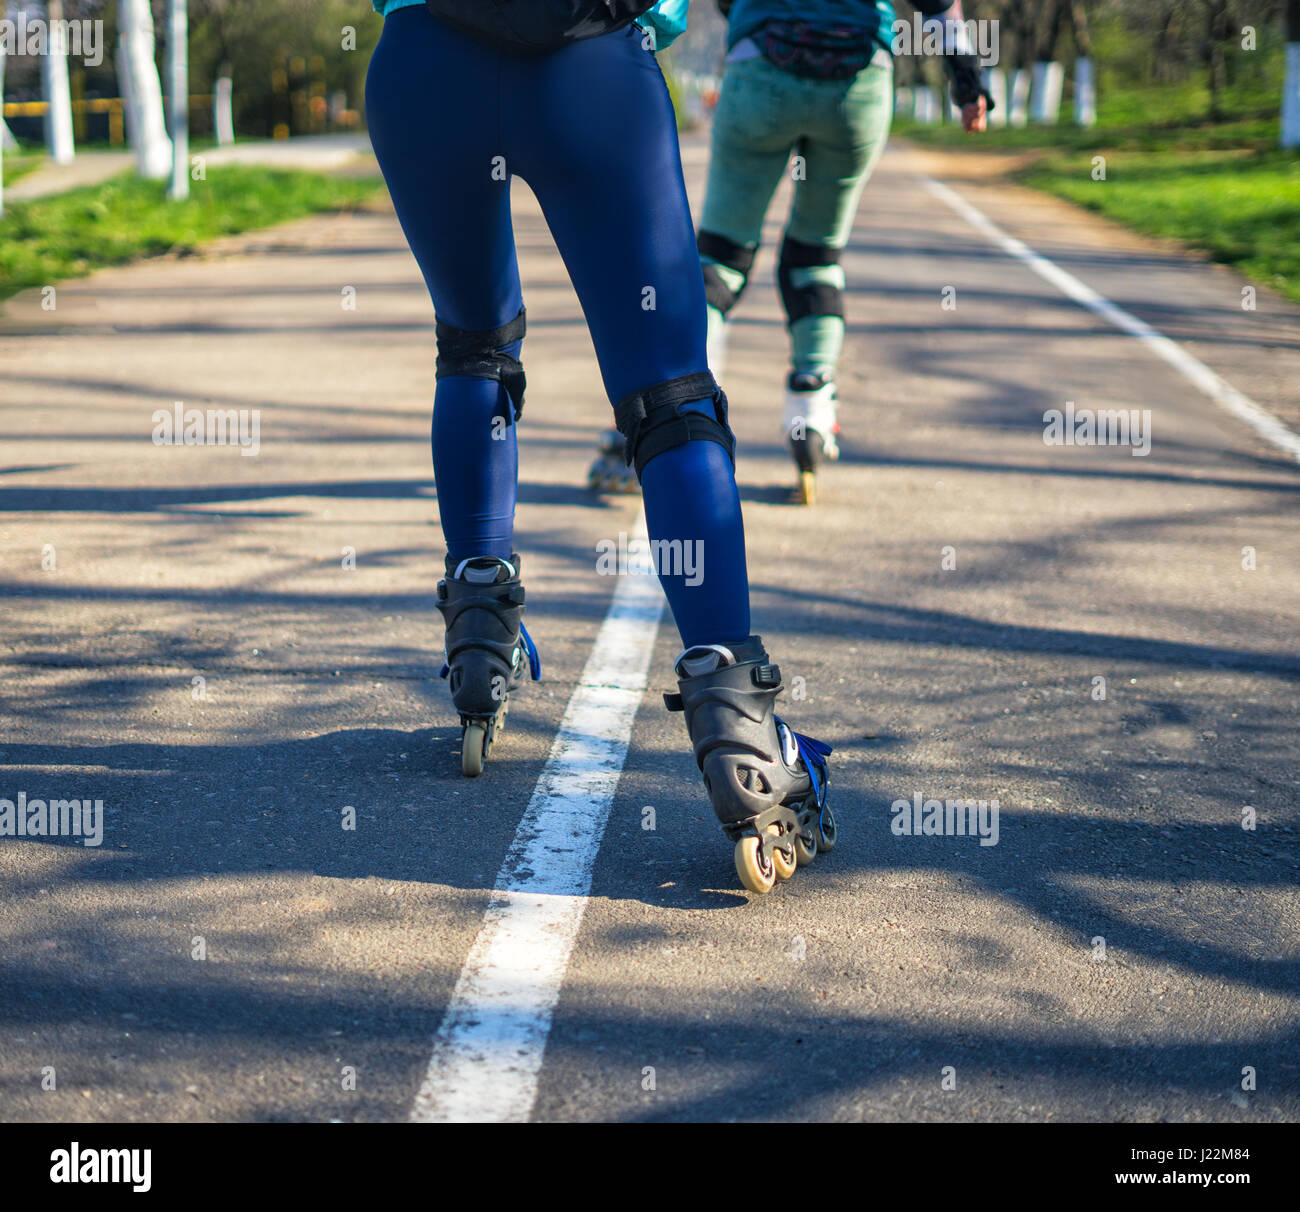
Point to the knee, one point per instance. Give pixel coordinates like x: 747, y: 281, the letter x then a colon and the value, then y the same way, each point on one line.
x: 484, y: 354
x: 657, y: 418
x: 726, y: 267
x: 811, y: 280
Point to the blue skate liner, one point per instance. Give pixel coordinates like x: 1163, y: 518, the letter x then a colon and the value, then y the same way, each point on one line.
x: 814, y: 754
x: 534, y: 661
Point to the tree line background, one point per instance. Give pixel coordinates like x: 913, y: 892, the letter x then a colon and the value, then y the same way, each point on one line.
x: 281, y: 53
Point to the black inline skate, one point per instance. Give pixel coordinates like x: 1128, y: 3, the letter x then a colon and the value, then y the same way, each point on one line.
x: 767, y: 782
x: 811, y: 428
x: 489, y: 650
x: 610, y: 472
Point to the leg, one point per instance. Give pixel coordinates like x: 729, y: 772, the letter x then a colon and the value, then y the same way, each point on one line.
x: 847, y: 131
x: 610, y: 184
x: 455, y: 212
x: 597, y: 142
x: 752, y: 140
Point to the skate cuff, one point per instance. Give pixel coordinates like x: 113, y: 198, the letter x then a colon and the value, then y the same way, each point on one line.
x: 480, y: 354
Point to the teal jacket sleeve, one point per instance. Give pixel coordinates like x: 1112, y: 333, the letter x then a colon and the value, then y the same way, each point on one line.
x: 667, y: 19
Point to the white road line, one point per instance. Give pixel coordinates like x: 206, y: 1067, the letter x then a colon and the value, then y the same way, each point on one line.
x: 487, y: 1054
x: 1219, y: 390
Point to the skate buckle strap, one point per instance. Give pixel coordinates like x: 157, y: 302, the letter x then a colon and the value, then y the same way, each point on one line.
x: 767, y: 675
x: 530, y: 649
x: 674, y: 702
x: 484, y: 576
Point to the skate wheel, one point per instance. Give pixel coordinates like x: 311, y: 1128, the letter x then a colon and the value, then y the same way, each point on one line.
x: 754, y: 873
x: 784, y: 858
x: 826, y: 832
x: 807, y: 490
x: 473, y: 749
x: 805, y: 847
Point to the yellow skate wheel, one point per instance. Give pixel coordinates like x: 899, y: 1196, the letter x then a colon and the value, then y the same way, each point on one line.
x: 807, y: 490
x: 754, y: 874
x: 785, y: 860
x: 473, y: 744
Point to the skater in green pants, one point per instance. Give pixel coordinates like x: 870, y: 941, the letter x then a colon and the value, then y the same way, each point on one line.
x: 809, y: 89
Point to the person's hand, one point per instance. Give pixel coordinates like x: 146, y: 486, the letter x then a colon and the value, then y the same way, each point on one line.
x: 974, y: 117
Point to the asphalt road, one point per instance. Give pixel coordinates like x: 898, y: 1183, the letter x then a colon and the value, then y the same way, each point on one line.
x: 901, y: 977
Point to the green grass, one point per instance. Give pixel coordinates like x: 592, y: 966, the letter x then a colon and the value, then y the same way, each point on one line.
x: 1223, y: 187
x: 18, y: 164
x: 71, y: 234
x: 1240, y: 206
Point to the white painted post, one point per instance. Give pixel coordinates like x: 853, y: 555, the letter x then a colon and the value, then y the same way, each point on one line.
x: 998, y: 91
x: 1085, y: 93
x: 55, y: 86
x: 1291, y: 84
x: 1048, y: 83
x: 4, y: 130
x: 1291, y: 97
x: 1018, y: 112
x: 178, y: 95
x: 223, y: 111
x: 7, y: 140
x: 142, y: 91
x: 926, y: 108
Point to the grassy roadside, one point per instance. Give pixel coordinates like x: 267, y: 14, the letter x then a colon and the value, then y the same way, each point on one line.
x: 69, y: 235
x: 18, y: 164
x: 1222, y: 187
x: 1242, y: 207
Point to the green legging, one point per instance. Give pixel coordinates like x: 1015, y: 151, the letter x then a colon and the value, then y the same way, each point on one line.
x: 837, y: 129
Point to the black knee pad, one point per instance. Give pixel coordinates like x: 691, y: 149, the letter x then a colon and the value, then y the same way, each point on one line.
x: 651, y: 420
x: 733, y: 256
x: 480, y: 354
x: 815, y: 298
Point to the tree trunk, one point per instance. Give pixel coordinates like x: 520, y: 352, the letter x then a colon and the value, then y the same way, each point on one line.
x: 54, y: 83
x: 141, y: 90
x: 1082, y: 35
x: 4, y: 130
x: 178, y: 96
x: 7, y: 140
x: 1216, y: 32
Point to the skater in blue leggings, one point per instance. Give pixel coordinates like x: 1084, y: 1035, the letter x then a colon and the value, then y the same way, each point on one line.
x: 458, y: 103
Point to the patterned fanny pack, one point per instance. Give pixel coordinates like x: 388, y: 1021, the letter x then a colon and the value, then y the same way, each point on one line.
x: 824, y: 52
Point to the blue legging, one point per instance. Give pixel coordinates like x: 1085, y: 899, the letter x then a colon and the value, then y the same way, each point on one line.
x: 591, y: 130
